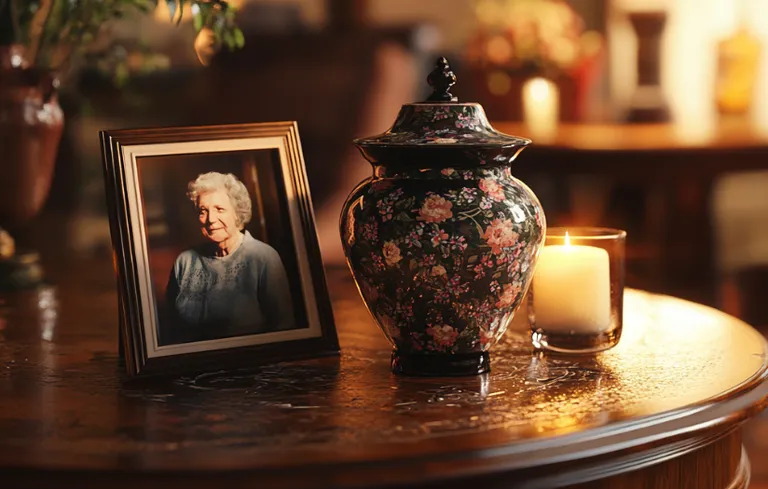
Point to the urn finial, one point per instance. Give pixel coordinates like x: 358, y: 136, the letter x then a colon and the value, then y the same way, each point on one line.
x: 441, y: 79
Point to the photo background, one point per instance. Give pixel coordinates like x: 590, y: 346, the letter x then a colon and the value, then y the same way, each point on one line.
x: 171, y: 221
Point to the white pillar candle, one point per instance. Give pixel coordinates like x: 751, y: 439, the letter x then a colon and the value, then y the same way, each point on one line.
x: 541, y: 107
x: 572, y: 289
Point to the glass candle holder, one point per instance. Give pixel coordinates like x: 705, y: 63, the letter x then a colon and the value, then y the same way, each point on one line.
x: 576, y: 299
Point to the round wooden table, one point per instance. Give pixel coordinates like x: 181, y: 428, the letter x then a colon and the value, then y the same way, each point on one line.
x: 663, y: 409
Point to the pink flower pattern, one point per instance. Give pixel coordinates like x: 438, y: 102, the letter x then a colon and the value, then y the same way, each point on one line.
x: 508, y: 296
x: 391, y: 253
x: 435, y: 209
x: 443, y: 270
x: 444, y: 336
x: 492, y: 188
x: 499, y: 235
x: 438, y: 271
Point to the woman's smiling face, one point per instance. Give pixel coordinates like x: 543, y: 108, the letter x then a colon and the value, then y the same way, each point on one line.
x: 218, y: 221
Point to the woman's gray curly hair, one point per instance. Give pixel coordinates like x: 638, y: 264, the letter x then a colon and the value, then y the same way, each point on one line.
x: 235, y: 189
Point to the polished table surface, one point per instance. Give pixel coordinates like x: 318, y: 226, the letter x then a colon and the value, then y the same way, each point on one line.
x: 676, y: 389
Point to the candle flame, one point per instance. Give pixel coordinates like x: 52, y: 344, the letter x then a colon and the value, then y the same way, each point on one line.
x: 567, y: 239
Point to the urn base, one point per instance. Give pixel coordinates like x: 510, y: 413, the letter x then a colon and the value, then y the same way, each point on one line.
x: 421, y: 365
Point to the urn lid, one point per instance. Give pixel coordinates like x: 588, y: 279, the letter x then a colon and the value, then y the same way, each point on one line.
x: 442, y: 121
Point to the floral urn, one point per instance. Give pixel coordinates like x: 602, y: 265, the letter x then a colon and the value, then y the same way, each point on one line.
x: 442, y: 239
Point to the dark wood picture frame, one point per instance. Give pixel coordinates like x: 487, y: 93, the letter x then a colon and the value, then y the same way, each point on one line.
x: 121, y: 150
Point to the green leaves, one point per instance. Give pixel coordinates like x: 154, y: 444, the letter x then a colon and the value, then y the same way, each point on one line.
x: 55, y: 30
x: 406, y: 204
x: 403, y: 216
x: 218, y: 16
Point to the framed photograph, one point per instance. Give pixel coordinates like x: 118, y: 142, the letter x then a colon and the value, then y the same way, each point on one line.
x: 216, y: 252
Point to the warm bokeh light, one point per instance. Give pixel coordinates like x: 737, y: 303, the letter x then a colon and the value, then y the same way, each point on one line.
x: 541, y: 107
x: 540, y: 89
x: 689, y: 56
x: 498, y: 50
x: 499, y: 83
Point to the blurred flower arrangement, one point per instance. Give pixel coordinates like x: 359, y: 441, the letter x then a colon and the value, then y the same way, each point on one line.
x: 531, y: 36
x: 515, y: 40
x: 55, y: 32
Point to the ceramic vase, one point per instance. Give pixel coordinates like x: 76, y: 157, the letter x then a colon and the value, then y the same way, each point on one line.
x: 31, y: 124
x: 442, y: 240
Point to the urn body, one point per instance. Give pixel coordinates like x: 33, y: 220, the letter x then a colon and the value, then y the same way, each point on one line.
x: 442, y: 240
x: 442, y: 245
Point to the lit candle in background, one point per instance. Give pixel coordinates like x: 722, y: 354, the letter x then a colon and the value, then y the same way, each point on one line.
x: 541, y: 107
x: 572, y: 289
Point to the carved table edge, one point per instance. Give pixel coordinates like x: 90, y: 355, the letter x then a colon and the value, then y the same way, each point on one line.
x: 676, y: 430
x: 649, y: 431
x: 607, y: 467
x: 611, y: 452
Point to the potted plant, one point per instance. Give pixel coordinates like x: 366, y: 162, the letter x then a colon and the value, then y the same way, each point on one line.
x: 40, y: 42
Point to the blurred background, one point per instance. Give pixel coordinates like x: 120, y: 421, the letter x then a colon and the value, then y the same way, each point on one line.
x: 648, y: 115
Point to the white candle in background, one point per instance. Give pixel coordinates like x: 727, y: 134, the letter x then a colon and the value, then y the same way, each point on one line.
x: 541, y: 107
x: 572, y: 289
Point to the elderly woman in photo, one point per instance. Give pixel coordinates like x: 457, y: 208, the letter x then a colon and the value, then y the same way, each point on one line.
x: 233, y: 285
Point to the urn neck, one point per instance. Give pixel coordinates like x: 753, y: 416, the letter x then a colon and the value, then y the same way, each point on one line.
x: 441, y: 157
x: 458, y: 174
